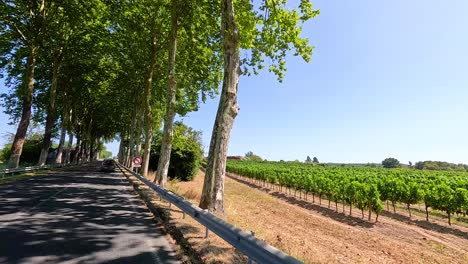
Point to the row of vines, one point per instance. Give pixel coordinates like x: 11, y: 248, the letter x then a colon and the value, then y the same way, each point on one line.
x: 364, y: 188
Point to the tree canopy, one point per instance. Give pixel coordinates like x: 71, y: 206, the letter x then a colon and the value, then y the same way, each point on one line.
x: 390, y: 163
x: 100, y: 70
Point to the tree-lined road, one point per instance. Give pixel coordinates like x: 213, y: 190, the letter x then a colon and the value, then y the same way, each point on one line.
x: 78, y: 216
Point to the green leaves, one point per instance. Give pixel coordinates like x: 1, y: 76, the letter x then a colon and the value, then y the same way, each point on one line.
x: 270, y: 32
x: 363, y: 187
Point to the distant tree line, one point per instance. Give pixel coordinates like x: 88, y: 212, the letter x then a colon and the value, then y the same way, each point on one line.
x: 251, y: 156
x: 440, y: 165
x: 426, y: 165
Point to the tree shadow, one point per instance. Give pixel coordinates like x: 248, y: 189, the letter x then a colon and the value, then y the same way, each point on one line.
x: 350, y: 220
x: 328, y: 212
x: 426, y: 225
x: 78, y: 215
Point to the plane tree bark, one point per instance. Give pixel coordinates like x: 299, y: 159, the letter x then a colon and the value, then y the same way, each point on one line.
x: 166, y: 144
x: 213, y: 187
x: 24, y: 24
x: 20, y: 136
x: 50, y: 120
x: 148, y: 115
x: 269, y: 33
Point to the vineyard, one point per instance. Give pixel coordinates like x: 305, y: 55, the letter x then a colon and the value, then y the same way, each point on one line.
x: 362, y: 187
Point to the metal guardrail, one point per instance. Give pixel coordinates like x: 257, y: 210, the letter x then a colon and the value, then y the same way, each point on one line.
x: 5, y: 172
x: 246, y: 242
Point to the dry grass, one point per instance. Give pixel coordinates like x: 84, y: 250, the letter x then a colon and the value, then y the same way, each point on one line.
x: 191, y: 195
x: 151, y: 175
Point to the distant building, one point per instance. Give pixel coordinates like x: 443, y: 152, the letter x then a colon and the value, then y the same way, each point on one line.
x: 235, y: 158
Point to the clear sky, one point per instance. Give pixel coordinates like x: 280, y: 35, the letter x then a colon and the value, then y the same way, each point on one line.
x: 387, y: 79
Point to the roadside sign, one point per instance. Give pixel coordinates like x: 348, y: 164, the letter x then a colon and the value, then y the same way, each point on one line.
x: 136, y: 161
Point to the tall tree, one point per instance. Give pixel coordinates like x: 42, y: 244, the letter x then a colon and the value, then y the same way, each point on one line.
x: 166, y: 144
x: 271, y: 31
x: 198, y: 65
x: 22, y: 27
x: 213, y: 187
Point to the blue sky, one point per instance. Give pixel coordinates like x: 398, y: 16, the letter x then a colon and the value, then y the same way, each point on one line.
x: 387, y: 78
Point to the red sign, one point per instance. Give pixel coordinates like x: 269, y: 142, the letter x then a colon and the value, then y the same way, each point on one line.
x: 137, y: 161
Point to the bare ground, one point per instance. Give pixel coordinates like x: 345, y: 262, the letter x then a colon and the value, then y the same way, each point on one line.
x: 317, y: 234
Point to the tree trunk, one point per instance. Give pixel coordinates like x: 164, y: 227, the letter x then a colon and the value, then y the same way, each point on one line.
x: 213, y: 187
x: 63, y: 132
x: 427, y: 212
x: 449, y: 218
x: 69, y: 147
x: 128, y: 155
x: 50, y: 120
x: 377, y: 217
x: 350, y: 209
x: 409, y: 211
x: 147, y: 106
x: 97, y: 151
x: 139, y: 145
x: 92, y: 151
x: 27, y: 94
x: 370, y: 212
x: 82, y: 153
x: 131, y: 141
x: 121, y: 149
x: 79, y: 154
x: 166, y: 144
x: 77, y: 148
x: 393, y: 204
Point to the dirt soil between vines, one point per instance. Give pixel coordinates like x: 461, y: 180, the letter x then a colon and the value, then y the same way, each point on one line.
x: 318, y: 234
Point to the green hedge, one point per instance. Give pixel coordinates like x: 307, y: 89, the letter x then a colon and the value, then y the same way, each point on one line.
x: 30, y: 154
x: 186, y: 153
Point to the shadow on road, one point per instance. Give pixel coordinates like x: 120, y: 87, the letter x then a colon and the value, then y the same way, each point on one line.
x: 78, y: 215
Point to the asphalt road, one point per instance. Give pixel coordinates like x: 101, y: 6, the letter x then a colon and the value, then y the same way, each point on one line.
x: 78, y: 216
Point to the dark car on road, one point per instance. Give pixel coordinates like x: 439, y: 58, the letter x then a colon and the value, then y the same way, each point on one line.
x: 108, y: 165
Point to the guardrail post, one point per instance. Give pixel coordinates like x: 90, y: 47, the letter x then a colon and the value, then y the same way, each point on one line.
x: 206, y: 228
x: 249, y: 261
